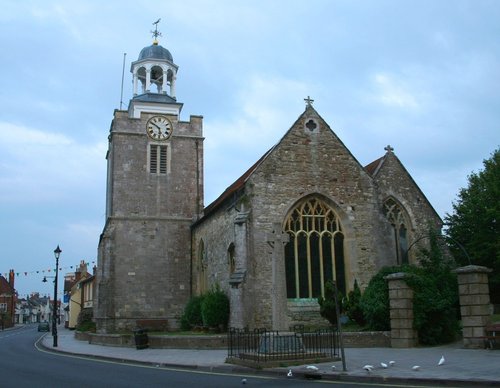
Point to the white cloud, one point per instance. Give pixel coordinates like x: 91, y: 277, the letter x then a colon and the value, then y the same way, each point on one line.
x: 265, y: 108
x: 45, y: 166
x: 12, y: 136
x: 394, y: 92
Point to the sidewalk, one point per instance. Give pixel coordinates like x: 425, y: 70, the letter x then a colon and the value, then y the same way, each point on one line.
x: 462, y: 367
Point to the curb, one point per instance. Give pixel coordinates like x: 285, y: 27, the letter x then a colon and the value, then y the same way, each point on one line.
x: 282, y: 372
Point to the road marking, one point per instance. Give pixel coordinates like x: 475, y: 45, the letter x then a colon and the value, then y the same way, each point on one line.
x: 40, y: 348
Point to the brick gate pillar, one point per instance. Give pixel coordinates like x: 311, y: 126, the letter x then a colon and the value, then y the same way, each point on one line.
x: 401, y: 309
x: 475, y: 308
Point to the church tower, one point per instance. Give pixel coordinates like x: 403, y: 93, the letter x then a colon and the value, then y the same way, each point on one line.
x: 154, y: 193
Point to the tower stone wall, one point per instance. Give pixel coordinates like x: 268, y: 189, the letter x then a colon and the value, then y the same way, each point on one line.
x: 144, y: 254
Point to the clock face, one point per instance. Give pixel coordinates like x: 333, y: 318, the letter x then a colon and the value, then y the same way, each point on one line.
x: 159, y: 128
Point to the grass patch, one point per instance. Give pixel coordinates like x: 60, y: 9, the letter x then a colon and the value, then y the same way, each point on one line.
x: 352, y: 326
x: 184, y: 333
x: 495, y: 318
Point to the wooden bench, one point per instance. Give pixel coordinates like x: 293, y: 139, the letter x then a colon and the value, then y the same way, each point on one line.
x: 492, y: 336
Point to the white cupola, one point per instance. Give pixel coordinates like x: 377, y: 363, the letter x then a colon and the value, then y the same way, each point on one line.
x: 154, y: 75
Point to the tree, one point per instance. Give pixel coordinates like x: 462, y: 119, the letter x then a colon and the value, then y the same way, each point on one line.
x: 375, y: 300
x: 435, y: 303
x: 327, y: 305
x: 215, y: 308
x: 353, y: 305
x: 475, y: 221
x: 435, y: 296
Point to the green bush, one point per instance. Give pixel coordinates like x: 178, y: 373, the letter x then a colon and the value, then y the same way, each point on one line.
x: 215, y: 308
x: 327, y: 307
x: 353, y: 305
x: 375, y: 300
x: 435, y: 303
x: 84, y: 321
x: 192, y: 313
x: 435, y: 297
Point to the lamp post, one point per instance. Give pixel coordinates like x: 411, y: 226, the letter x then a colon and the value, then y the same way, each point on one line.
x: 57, y: 253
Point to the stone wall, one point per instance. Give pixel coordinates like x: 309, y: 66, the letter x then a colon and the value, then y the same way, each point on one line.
x: 144, y: 261
x: 310, y: 162
x: 351, y: 340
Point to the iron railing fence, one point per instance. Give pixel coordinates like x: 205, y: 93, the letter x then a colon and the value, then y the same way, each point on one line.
x: 261, y: 345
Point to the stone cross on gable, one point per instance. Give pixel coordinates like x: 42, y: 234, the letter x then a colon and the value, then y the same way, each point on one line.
x: 388, y: 148
x: 277, y: 235
x: 277, y: 240
x: 308, y: 101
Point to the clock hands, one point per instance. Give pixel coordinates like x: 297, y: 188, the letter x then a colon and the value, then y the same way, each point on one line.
x: 162, y: 125
x: 155, y: 125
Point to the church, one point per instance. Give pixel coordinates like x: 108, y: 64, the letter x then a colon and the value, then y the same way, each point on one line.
x: 305, y: 213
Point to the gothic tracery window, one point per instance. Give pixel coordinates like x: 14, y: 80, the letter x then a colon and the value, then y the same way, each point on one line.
x: 396, y: 217
x: 315, y: 252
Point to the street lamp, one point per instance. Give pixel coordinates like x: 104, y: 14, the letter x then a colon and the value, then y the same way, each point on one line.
x: 57, y: 253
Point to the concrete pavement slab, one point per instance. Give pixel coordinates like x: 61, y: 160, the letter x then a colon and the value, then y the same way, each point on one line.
x: 464, y: 367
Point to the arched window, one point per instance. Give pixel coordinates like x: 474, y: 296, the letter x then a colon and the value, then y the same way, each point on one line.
x: 396, y: 216
x: 315, y: 252
x: 157, y: 78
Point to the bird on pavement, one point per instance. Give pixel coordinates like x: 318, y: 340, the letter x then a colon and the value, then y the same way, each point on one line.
x: 243, y: 381
x: 416, y: 367
x: 312, y: 367
x: 383, y: 365
x: 289, y: 374
x: 441, y: 361
x: 391, y: 363
x: 333, y: 367
x: 368, y: 368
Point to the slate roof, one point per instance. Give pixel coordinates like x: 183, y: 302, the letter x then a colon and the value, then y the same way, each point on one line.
x: 232, y: 190
x: 155, y: 51
x: 156, y: 97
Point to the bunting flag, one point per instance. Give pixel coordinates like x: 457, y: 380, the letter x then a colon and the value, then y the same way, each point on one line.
x: 29, y: 273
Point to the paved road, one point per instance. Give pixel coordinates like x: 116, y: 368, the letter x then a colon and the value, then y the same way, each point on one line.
x: 469, y: 367
x: 24, y: 363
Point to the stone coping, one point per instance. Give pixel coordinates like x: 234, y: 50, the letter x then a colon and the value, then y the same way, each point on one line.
x: 219, y: 341
x: 472, y: 269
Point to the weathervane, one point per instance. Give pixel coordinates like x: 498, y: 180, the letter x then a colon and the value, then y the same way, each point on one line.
x: 156, y: 33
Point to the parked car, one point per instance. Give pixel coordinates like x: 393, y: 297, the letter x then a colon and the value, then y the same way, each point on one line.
x: 43, y: 326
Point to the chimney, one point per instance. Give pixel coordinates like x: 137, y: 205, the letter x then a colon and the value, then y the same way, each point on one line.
x: 11, y: 278
x: 78, y: 275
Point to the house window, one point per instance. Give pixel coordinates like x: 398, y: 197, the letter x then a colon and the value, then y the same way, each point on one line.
x: 397, y: 218
x: 3, y: 307
x: 157, y: 159
x: 315, y: 253
x: 88, y: 291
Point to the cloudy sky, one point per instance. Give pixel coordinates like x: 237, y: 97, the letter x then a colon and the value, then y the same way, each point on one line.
x: 422, y: 76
